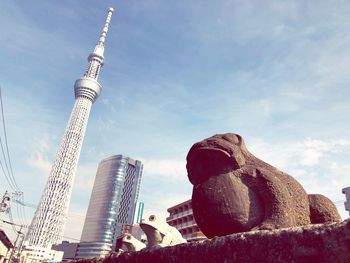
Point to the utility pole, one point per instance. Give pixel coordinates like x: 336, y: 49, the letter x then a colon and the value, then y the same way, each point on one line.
x: 15, y: 244
x: 4, y: 204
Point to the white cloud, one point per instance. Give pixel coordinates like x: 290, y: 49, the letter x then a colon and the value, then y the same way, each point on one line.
x: 40, y: 162
x: 40, y: 158
x: 316, y: 164
x: 295, y: 154
x: 85, y: 176
x: 75, y: 223
x: 162, y: 201
x: 172, y: 169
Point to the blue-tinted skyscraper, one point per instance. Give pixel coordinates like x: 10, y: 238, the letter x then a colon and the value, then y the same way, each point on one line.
x: 112, y: 204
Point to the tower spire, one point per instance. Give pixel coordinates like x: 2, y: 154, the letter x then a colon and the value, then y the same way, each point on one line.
x: 96, y: 58
x: 105, y: 28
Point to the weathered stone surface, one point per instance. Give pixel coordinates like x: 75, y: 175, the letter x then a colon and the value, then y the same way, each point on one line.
x: 313, y: 243
x: 235, y: 192
x: 322, y: 209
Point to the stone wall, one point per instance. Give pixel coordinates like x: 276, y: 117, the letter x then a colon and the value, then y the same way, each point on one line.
x: 313, y: 243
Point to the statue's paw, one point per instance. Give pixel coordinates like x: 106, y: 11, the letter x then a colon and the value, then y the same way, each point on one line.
x: 153, y: 247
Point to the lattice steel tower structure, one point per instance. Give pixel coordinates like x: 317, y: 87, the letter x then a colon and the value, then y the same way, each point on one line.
x: 48, y: 224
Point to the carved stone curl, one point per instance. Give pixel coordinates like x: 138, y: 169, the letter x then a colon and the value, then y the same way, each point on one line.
x: 233, y: 191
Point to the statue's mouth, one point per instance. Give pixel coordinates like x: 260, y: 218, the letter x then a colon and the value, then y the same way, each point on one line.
x: 213, y: 157
x: 207, y: 156
x: 204, y: 162
x: 153, y: 234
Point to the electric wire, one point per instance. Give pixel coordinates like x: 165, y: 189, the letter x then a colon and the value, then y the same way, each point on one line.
x: 5, y: 135
x: 7, y: 179
x: 23, y: 210
x: 28, y: 227
x: 11, y: 220
x: 57, y: 235
x: 14, y: 184
x: 19, y: 213
x: 6, y: 163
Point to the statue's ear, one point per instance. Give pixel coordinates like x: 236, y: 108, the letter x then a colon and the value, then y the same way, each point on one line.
x: 240, y: 139
x: 231, y: 137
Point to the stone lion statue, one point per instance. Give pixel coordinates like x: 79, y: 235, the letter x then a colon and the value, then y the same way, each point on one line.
x: 233, y: 191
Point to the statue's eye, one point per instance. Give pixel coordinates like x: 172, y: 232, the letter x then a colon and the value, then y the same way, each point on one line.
x: 128, y: 237
x: 152, y: 218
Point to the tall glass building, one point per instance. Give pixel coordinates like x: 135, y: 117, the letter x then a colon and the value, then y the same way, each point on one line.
x: 112, y: 204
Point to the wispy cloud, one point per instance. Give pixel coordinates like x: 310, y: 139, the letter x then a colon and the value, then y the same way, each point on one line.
x: 40, y: 159
x: 75, y: 222
x: 162, y: 201
x: 171, y: 169
x: 310, y: 152
x: 319, y: 165
x: 85, y: 177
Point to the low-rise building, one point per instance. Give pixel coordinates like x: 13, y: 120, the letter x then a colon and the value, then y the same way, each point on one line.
x: 181, y: 217
x: 5, y: 246
x: 68, y: 248
x: 35, y: 254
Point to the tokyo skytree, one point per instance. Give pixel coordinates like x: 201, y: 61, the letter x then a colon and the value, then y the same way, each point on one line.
x: 47, y: 226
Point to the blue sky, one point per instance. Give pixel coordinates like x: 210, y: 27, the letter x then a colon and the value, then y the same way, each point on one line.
x: 175, y: 73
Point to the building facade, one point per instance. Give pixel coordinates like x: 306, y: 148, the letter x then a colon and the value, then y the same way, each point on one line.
x: 35, y: 254
x: 112, y: 205
x: 346, y: 191
x: 181, y: 217
x: 5, y: 246
x: 69, y: 250
x: 48, y: 223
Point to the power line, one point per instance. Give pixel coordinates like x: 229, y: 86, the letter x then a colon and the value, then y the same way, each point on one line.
x: 9, y: 177
x: 23, y: 212
x: 4, y: 128
x: 19, y: 208
x: 12, y: 223
x: 28, y: 227
x: 21, y: 202
x: 8, y: 172
x: 70, y: 214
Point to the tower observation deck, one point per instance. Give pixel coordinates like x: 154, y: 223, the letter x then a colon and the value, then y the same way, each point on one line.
x: 47, y: 226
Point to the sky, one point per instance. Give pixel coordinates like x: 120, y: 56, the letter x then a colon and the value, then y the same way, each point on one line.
x: 175, y: 73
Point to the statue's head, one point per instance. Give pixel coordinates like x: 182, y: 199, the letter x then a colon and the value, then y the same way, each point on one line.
x: 216, y: 155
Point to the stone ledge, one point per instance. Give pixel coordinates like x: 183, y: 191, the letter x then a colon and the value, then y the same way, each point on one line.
x: 313, y: 243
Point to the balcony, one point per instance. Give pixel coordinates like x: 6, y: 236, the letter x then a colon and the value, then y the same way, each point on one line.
x: 179, y: 215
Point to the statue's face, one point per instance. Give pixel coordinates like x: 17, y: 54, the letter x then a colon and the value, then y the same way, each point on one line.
x: 214, y: 156
x: 128, y: 238
x: 151, y: 227
x: 131, y: 243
